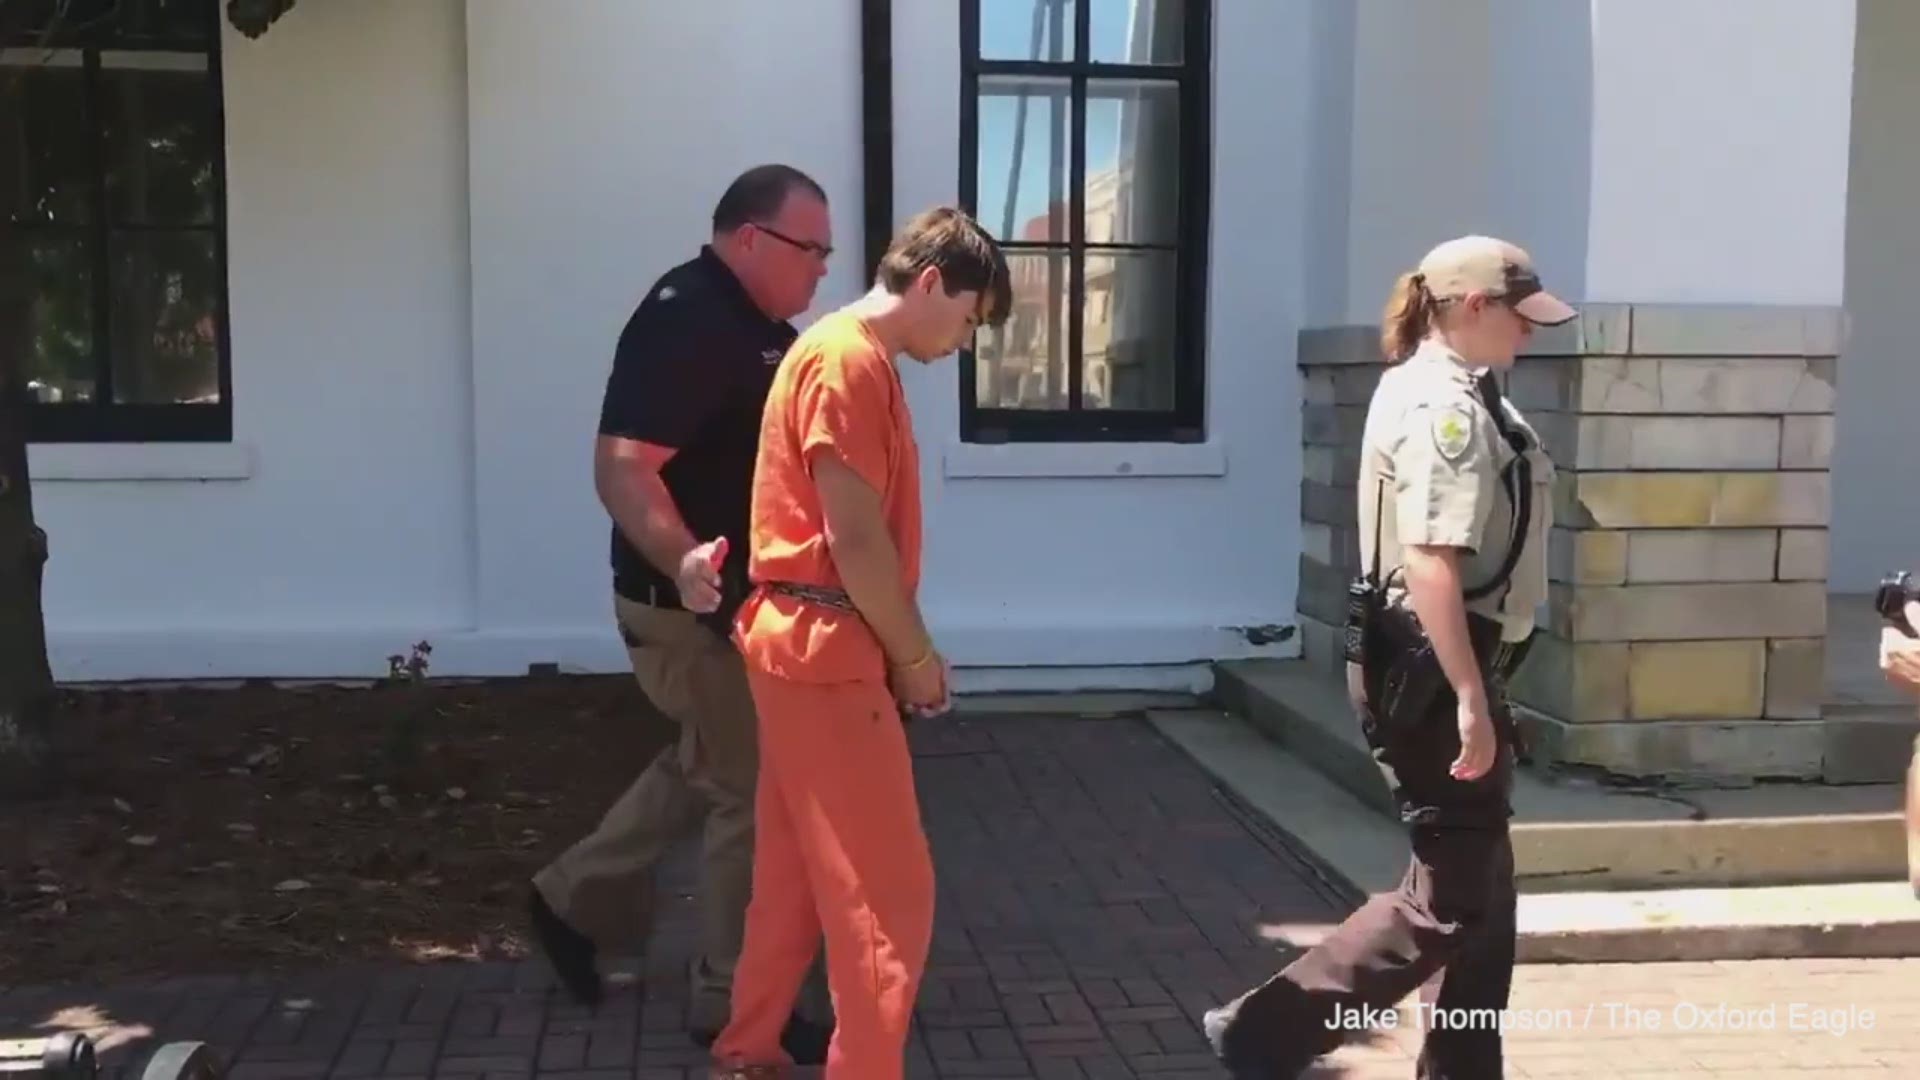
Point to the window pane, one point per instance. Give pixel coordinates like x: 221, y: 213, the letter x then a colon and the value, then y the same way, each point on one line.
x: 157, y: 111
x: 56, y: 270
x: 1026, y: 29
x: 44, y: 160
x: 1138, y: 31
x: 1021, y: 183
x: 1129, y: 330
x: 166, y: 337
x: 111, y: 21
x: 32, y: 18
x: 1133, y: 162
x: 171, y: 20
x: 1022, y: 364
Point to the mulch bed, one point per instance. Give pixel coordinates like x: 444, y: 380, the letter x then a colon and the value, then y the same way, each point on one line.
x: 200, y: 830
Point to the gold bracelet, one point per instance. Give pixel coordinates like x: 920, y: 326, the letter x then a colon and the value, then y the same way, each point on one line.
x: 924, y: 657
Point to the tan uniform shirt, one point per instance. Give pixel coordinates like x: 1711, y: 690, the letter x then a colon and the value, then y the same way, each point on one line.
x: 1431, y: 464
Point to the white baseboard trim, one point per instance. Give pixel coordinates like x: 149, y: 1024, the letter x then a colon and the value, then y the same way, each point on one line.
x: 1159, y: 679
x: 990, y: 658
x: 1099, y: 643
x: 133, y: 655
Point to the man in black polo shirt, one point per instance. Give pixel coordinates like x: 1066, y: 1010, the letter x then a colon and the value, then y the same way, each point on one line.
x: 679, y: 429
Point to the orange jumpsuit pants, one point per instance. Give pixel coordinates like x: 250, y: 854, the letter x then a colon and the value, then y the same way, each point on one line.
x: 838, y: 849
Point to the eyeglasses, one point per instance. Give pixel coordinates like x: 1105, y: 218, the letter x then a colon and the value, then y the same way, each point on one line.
x: 818, y: 251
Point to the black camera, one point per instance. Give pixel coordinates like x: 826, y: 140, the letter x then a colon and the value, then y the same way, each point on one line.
x: 1896, y: 591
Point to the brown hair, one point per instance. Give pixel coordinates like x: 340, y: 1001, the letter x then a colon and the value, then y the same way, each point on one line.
x: 968, y: 259
x: 758, y: 195
x: 1408, y: 316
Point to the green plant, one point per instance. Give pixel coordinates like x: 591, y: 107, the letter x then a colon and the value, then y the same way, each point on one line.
x: 410, y: 668
x: 406, y: 673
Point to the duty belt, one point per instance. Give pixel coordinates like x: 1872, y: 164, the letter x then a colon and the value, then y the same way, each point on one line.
x: 1507, y: 656
x: 825, y: 595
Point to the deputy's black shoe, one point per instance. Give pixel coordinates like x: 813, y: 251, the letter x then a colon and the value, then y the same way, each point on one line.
x: 1215, y: 1026
x: 805, y: 1041
x: 570, y: 952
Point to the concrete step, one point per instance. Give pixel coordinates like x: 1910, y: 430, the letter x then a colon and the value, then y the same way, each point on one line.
x: 1359, y: 851
x: 1868, y: 725
x: 1573, y: 833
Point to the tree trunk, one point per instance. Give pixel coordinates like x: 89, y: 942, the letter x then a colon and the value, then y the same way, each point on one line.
x: 26, y: 681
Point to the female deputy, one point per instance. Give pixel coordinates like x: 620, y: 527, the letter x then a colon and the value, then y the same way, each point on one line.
x: 1453, y: 492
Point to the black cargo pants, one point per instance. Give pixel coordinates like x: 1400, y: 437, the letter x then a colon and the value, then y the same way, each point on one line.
x: 1448, y: 929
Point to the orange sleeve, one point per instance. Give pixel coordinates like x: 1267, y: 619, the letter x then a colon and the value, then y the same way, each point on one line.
x: 843, y: 406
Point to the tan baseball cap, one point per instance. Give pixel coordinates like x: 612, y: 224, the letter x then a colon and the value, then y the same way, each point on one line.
x: 1499, y: 269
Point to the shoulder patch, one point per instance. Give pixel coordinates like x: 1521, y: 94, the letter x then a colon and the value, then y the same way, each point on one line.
x: 1452, y: 431
x: 667, y: 292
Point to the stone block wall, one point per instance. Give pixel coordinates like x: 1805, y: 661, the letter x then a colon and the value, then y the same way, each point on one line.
x: 1685, y: 634
x: 1339, y: 368
x: 1686, y: 630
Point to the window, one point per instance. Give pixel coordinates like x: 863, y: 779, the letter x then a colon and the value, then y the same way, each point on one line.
x: 113, y: 195
x: 1084, y: 149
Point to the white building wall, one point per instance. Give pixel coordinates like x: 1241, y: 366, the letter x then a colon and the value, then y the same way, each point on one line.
x: 1643, y: 150
x: 442, y: 212
x: 602, y: 134
x: 1419, y: 139
x: 1720, y: 151
x: 1876, y: 511
x: 1332, y: 33
x: 1071, y: 555
x: 336, y: 526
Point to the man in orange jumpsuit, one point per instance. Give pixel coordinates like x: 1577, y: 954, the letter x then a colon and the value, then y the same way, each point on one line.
x: 836, y: 652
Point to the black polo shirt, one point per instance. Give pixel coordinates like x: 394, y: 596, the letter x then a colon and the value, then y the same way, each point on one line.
x: 692, y: 371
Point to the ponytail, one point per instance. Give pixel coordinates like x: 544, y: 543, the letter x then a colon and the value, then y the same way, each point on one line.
x: 1409, y: 314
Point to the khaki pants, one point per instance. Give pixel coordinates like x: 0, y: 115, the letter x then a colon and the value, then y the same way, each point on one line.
x: 603, y: 885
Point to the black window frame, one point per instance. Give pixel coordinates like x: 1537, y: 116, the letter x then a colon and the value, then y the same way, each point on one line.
x: 1186, y: 421
x: 103, y: 420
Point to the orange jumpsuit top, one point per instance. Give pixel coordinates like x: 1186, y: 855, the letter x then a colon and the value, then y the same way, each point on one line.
x: 836, y: 391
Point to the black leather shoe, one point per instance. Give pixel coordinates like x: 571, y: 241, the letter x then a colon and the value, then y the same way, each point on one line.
x: 805, y: 1041
x: 571, y: 953
x: 1240, y: 1065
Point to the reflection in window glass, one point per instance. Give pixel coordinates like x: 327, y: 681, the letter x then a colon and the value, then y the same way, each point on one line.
x: 1022, y: 182
x: 1133, y: 163
x: 1022, y: 364
x: 1027, y: 29
x: 1138, y: 31
x: 165, y: 302
x: 1128, y: 344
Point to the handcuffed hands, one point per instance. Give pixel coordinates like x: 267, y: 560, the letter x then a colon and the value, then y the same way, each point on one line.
x: 923, y: 686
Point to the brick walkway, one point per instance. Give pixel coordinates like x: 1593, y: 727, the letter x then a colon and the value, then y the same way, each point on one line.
x: 1096, y: 896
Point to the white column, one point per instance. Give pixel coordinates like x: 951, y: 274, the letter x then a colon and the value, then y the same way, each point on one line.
x: 1876, y: 519
x: 1418, y: 137
x: 1682, y: 170
x: 1719, y: 150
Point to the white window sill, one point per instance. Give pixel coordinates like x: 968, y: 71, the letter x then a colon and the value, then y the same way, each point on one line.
x: 980, y: 461
x: 59, y: 462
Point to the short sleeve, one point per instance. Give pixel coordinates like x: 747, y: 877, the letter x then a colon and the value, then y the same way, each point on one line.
x: 1445, y: 476
x: 667, y: 378
x: 844, y: 406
